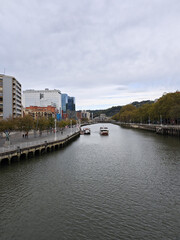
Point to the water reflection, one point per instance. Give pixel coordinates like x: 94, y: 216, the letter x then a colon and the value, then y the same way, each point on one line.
x: 122, y: 186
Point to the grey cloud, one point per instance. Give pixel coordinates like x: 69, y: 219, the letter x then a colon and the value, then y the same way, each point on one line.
x: 87, y: 44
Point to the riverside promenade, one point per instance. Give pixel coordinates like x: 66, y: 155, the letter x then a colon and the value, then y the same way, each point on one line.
x: 20, y: 147
x: 169, y: 130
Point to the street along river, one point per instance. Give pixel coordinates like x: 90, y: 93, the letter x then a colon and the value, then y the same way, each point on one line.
x: 121, y: 186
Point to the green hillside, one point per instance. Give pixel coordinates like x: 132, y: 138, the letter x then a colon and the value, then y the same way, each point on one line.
x: 116, y: 109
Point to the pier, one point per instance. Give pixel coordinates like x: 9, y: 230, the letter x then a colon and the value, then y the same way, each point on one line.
x: 27, y: 150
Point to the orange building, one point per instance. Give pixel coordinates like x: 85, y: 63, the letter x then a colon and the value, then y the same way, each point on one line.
x: 64, y: 115
x: 79, y: 115
x: 36, y: 111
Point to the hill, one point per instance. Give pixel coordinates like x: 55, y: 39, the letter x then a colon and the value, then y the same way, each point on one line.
x: 109, y: 112
x: 115, y: 109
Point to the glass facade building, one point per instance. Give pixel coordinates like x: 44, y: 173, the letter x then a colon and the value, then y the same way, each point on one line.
x: 71, y: 104
x: 64, y: 101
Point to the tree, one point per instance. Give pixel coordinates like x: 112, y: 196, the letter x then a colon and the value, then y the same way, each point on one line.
x: 84, y: 120
x: 51, y: 122
x: 3, y: 126
x: 8, y: 125
x: 62, y: 124
x: 25, y: 123
x: 42, y: 124
x: 175, y: 114
x: 127, y: 113
x: 116, y: 117
x: 166, y: 108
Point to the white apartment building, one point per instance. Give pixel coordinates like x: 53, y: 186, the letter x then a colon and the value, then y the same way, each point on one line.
x: 42, y: 98
x: 10, y: 97
x: 85, y: 114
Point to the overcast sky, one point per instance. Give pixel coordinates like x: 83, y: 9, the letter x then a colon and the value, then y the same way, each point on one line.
x: 103, y: 52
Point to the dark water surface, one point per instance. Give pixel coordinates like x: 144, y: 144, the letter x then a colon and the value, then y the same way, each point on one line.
x: 122, y: 186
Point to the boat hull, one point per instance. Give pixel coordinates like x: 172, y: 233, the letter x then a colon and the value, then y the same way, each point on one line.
x: 104, y: 134
x: 104, y: 131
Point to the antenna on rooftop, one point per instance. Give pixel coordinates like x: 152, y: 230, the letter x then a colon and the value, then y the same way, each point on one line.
x: 4, y: 71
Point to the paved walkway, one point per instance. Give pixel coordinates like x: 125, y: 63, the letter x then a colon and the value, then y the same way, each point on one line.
x: 16, y: 140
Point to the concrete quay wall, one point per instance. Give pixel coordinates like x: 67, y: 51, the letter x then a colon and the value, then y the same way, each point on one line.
x: 170, y: 130
x: 32, y: 151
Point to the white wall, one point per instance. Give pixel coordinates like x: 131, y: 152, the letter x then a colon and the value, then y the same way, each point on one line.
x: 48, y: 97
x: 7, y: 97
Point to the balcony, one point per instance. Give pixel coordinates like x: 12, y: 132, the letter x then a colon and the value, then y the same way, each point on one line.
x: 18, y: 108
x: 19, y: 112
x: 18, y: 95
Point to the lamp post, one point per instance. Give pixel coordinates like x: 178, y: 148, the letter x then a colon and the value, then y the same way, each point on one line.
x: 71, y: 126
x: 161, y: 119
x: 55, y: 128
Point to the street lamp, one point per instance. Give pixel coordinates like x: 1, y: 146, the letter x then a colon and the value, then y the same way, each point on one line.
x: 161, y: 119
x: 71, y: 125
x: 55, y: 128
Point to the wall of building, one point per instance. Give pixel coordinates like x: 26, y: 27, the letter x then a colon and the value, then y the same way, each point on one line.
x: 37, y: 112
x: 71, y: 104
x: 64, y: 100
x: 42, y: 98
x: 7, y: 97
x: 1, y: 97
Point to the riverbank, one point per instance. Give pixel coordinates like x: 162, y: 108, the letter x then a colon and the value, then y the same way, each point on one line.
x: 169, y: 130
x: 23, y: 152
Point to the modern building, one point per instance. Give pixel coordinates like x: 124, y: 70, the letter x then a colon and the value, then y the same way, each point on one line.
x: 10, y: 97
x: 42, y: 98
x: 71, y: 104
x: 83, y: 114
x: 79, y: 115
x: 71, y: 114
x: 68, y: 106
x: 102, y: 117
x: 64, y: 101
x: 37, y: 112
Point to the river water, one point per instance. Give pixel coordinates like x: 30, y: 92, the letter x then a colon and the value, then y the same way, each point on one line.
x: 122, y: 186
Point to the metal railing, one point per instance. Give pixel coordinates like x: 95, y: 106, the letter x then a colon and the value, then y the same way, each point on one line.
x: 55, y: 137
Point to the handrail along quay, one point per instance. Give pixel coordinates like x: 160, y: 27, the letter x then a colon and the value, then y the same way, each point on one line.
x: 10, y: 156
x: 169, y: 130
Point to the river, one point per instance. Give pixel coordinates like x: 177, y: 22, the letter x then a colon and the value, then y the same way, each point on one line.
x: 122, y: 186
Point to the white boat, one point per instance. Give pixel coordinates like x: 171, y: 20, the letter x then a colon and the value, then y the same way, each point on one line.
x: 87, y: 131
x: 104, y: 131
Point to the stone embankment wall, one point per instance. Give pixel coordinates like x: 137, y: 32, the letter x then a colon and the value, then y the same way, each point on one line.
x: 158, y: 129
x: 29, y: 152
